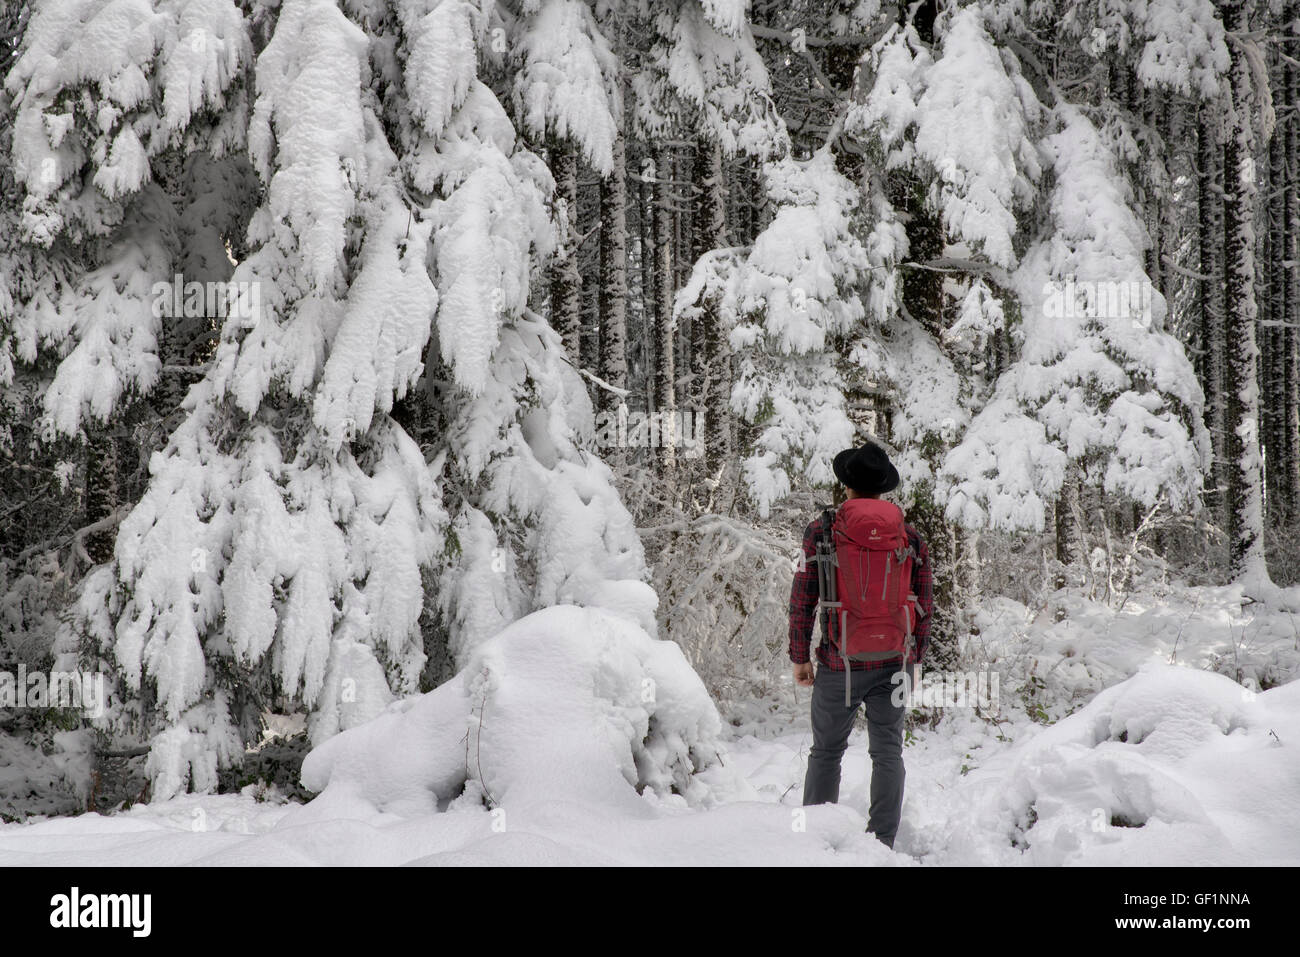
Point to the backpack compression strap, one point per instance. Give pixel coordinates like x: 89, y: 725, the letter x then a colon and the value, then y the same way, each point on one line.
x: 828, y: 594
x: 826, y: 587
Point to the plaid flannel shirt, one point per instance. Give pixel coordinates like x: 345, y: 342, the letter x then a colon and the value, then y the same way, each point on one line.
x: 803, y: 607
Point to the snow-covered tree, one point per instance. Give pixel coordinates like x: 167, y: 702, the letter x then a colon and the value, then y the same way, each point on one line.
x: 793, y: 302
x: 954, y: 124
x: 566, y: 89
x: 973, y: 122
x: 533, y: 518
x: 703, y: 79
x: 292, y: 532
x: 99, y: 91
x: 704, y: 75
x: 1097, y: 382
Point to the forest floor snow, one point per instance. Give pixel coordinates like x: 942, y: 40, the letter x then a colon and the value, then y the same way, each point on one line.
x: 1132, y: 747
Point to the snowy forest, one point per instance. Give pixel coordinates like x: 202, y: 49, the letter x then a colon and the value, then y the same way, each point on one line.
x: 411, y: 410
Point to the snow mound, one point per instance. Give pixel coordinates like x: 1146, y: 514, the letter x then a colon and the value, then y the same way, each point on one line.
x: 568, y: 703
x: 1174, y: 766
x: 1174, y: 711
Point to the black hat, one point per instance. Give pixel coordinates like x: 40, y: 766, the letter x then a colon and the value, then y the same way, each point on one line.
x: 867, y: 470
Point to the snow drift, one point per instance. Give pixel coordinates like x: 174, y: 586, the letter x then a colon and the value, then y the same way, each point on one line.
x: 1175, y: 766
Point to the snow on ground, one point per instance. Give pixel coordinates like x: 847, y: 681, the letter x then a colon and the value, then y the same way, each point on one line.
x: 599, y: 745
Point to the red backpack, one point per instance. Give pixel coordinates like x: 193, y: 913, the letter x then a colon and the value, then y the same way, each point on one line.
x: 872, y: 595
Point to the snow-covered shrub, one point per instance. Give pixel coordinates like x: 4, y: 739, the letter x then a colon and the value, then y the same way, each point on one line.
x: 724, y: 584
x: 568, y: 703
x: 44, y: 774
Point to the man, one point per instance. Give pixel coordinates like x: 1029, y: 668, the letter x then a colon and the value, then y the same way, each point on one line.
x: 864, y: 473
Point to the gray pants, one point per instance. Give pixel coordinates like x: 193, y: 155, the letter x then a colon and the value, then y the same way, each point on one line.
x: 831, y: 724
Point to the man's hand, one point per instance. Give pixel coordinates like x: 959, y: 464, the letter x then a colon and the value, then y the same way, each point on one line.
x: 803, y: 674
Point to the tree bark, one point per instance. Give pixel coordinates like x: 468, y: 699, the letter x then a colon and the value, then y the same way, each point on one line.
x: 646, y: 246
x: 1272, y: 365
x: 1210, y: 307
x: 711, y: 380
x: 101, y: 497
x: 566, y: 279
x: 613, y: 279
x: 665, y: 378
x: 1290, y: 131
x: 1069, y: 536
x: 1245, y: 477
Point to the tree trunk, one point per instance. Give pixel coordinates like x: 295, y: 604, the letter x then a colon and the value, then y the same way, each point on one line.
x: 101, y: 498
x: 1245, y: 477
x: 1211, y: 359
x: 566, y: 279
x: 1154, y: 207
x: 664, y: 329
x: 613, y: 279
x: 711, y: 382
x: 645, y: 242
x: 1290, y: 131
x: 1069, y: 536
x: 1273, y: 315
